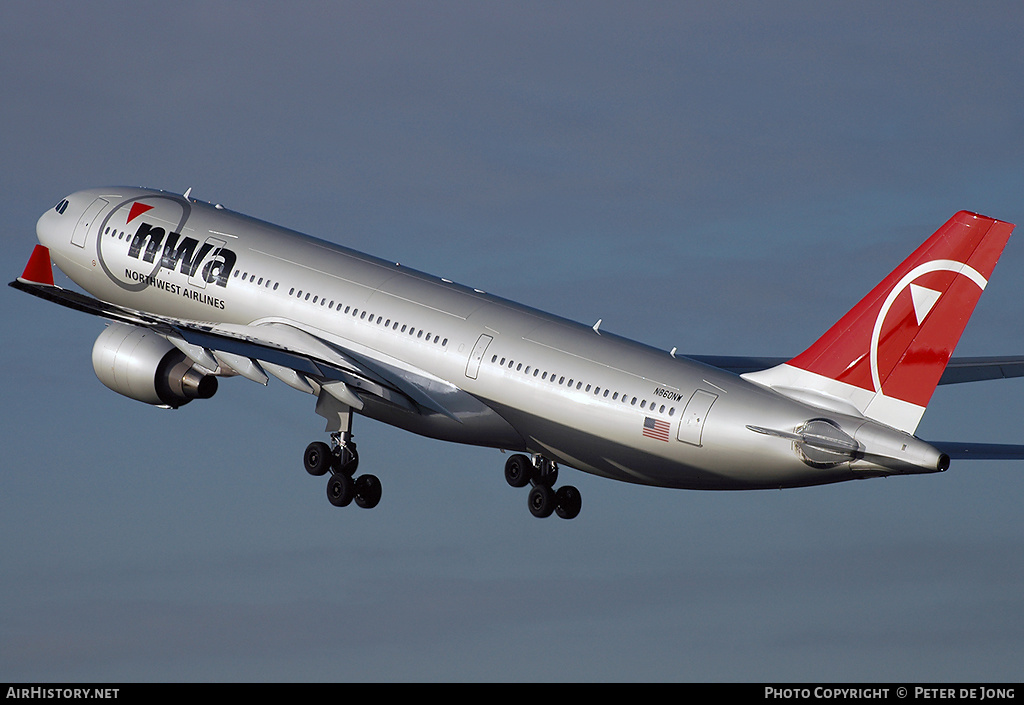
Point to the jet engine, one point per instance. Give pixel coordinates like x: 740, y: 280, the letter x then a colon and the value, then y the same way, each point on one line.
x: 142, y: 365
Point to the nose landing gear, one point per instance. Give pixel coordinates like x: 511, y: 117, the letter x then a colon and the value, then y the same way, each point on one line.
x: 543, y: 499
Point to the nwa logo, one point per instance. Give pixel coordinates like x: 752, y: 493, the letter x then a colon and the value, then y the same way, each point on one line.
x: 183, y: 253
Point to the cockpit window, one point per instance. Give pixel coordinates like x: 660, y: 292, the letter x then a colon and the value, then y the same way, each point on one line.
x: 62, y: 206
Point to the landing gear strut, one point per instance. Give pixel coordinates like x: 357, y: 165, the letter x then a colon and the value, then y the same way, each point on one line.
x: 543, y: 499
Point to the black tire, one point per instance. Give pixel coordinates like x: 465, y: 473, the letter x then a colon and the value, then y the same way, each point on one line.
x: 340, y: 489
x: 347, y: 461
x: 367, y: 491
x: 541, y: 501
x: 568, y: 502
x: 317, y: 458
x: 518, y: 470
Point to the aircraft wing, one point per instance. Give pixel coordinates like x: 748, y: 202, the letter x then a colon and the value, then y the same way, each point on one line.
x: 296, y: 357
x: 959, y: 369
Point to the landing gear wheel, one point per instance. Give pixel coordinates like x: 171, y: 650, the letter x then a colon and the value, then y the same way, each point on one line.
x: 541, y: 501
x: 568, y: 502
x: 518, y: 470
x: 317, y: 458
x: 340, y: 489
x: 367, y: 491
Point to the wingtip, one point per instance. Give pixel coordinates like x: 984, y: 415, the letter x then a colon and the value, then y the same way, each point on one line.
x: 39, y: 270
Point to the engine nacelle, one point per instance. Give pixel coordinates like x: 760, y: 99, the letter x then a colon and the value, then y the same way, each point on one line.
x: 141, y: 365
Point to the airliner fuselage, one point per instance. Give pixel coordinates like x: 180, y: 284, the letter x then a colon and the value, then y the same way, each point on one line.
x: 508, y: 376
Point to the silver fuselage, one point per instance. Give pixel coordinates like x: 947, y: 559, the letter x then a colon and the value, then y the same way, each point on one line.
x: 513, y: 377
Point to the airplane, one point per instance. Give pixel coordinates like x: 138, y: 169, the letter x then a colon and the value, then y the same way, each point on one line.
x: 194, y: 292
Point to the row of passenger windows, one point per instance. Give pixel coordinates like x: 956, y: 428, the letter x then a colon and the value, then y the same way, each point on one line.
x: 266, y: 283
x: 555, y: 378
x: 419, y: 333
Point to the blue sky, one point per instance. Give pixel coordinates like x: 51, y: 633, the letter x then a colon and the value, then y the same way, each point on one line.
x: 726, y: 178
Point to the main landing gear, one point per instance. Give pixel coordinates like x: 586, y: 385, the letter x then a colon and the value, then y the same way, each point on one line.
x: 341, y: 460
x: 543, y: 499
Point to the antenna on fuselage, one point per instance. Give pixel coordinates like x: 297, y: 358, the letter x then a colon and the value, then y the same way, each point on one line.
x: 597, y: 326
x: 187, y: 192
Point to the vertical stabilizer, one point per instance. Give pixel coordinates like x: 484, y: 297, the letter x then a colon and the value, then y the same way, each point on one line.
x: 886, y: 355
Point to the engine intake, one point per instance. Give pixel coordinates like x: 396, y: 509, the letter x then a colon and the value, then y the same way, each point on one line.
x: 144, y: 366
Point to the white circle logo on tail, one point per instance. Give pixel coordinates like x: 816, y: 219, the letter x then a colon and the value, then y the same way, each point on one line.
x: 924, y: 300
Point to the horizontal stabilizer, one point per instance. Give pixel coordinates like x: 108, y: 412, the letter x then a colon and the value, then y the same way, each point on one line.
x: 836, y: 442
x: 981, y: 451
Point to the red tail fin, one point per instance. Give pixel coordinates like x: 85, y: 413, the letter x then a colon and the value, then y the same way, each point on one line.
x: 886, y: 355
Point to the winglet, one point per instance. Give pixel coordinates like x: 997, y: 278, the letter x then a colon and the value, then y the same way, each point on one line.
x: 38, y: 270
x: 887, y: 354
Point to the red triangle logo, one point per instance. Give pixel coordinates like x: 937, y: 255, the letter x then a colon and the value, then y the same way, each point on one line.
x: 137, y: 210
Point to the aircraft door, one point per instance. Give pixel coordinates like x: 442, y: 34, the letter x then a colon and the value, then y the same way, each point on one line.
x: 477, y: 356
x: 691, y: 425
x: 87, y: 220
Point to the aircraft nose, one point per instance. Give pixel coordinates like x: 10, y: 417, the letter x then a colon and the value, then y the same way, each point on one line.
x: 52, y: 223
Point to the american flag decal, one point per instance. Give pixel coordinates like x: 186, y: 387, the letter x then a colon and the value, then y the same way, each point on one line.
x: 656, y: 429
